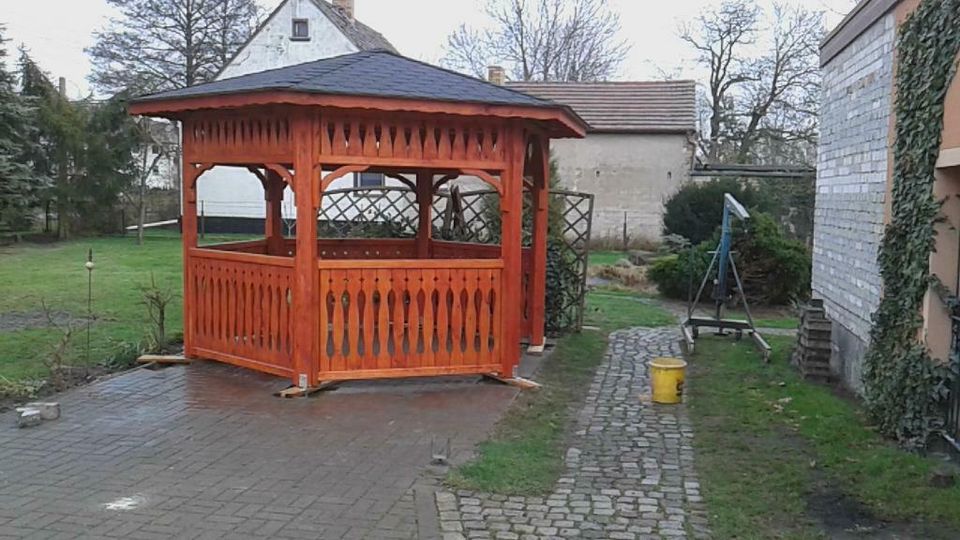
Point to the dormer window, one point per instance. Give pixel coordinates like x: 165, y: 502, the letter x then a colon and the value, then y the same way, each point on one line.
x: 300, y: 30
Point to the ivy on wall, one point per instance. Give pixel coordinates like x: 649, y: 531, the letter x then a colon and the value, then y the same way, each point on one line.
x: 904, y: 387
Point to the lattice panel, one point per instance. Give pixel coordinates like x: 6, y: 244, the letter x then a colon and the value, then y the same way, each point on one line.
x: 372, y: 137
x: 365, y: 212
x: 478, y: 221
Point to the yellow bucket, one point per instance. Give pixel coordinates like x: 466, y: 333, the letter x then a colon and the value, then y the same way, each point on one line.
x: 666, y: 377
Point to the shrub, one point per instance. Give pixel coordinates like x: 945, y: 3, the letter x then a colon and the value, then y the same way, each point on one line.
x: 695, y: 211
x: 774, y: 269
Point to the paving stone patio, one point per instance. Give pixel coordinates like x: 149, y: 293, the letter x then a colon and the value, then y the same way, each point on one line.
x: 629, y: 472
x: 206, y: 451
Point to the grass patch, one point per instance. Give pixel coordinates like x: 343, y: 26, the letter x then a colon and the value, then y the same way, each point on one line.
x: 525, y: 454
x: 610, y: 310
x: 767, y: 441
x: 524, y: 457
x: 55, y: 275
x: 596, y: 258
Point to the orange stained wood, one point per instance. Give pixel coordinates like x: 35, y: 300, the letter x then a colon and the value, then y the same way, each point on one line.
x: 316, y: 309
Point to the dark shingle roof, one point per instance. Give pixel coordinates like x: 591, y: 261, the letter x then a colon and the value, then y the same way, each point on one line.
x: 361, y: 35
x: 367, y: 73
x: 624, y: 107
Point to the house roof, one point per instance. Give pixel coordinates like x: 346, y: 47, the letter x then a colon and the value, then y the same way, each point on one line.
x: 367, y: 74
x: 361, y: 35
x: 624, y: 107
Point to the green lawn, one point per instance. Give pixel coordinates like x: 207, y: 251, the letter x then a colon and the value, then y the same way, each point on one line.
x: 772, y: 448
x: 596, y: 258
x: 54, y: 274
x: 525, y: 454
x: 616, y: 309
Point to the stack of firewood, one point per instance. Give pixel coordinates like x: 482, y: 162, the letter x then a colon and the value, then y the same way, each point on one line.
x: 812, y: 354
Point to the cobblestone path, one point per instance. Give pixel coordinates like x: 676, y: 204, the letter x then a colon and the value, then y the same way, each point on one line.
x: 628, y: 474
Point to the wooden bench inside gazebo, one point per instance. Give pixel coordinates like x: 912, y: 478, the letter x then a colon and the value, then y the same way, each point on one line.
x: 316, y: 310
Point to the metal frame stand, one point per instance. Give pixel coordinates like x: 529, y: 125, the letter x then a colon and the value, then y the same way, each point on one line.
x: 722, y: 259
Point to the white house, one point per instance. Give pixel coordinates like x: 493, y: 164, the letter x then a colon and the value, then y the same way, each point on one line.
x: 297, y: 31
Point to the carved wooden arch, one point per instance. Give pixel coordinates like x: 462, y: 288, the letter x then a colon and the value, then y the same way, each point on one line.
x: 494, y: 182
x: 402, y: 179
x: 197, y: 169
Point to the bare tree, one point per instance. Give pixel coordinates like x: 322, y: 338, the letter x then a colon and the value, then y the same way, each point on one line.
x: 542, y: 40
x: 763, y: 92
x: 782, y: 96
x: 720, y: 38
x: 161, y: 44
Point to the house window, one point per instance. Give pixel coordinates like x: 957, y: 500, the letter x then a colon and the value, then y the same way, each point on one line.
x: 368, y: 180
x: 301, y: 30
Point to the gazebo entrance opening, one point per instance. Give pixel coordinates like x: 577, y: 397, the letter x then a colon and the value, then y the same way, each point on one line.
x: 315, y: 309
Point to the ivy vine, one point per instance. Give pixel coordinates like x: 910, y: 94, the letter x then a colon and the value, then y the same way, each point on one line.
x: 904, y: 386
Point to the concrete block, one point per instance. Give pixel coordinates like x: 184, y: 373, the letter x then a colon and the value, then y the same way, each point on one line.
x: 49, y: 410
x: 28, y: 417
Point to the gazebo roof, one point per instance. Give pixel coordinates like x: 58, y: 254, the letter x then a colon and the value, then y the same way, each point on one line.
x: 377, y: 74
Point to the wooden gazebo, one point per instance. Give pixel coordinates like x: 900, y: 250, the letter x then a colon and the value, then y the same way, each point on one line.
x: 320, y: 310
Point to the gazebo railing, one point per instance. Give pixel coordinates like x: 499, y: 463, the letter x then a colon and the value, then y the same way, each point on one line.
x: 242, y: 308
x: 404, y: 318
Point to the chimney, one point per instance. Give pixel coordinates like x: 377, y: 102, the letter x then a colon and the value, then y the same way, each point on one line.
x: 345, y: 7
x: 496, y: 75
x: 62, y: 86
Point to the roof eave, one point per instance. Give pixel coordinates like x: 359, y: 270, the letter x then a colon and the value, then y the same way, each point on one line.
x: 563, y: 122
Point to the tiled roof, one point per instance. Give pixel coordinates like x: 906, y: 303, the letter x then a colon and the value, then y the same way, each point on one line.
x: 367, y: 73
x: 361, y: 35
x: 624, y: 107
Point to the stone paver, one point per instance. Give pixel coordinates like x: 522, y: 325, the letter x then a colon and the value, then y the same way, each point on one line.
x: 628, y: 474
x: 205, y: 451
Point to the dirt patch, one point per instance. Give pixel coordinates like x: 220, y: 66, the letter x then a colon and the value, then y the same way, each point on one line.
x: 842, y: 517
x: 13, y: 321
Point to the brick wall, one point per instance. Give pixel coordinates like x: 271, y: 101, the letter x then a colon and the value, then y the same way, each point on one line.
x: 851, y: 189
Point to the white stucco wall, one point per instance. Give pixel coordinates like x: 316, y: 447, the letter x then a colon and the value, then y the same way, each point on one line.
x: 234, y: 192
x: 272, y: 47
x: 629, y: 174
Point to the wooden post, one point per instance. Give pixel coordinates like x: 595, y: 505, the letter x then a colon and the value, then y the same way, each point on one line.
x: 511, y: 215
x: 273, y: 225
x: 540, y: 195
x: 306, y: 305
x: 425, y: 208
x: 189, y: 239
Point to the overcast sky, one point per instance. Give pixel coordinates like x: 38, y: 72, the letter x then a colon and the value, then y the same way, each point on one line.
x: 57, y: 31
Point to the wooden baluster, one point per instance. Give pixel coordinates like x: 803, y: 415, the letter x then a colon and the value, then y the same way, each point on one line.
x: 470, y: 134
x: 430, y: 142
x: 398, y: 282
x: 416, y: 142
x: 457, y: 313
x: 457, y: 149
x: 413, y: 318
x: 325, y: 321
x: 369, y: 320
x: 370, y: 139
x: 354, y: 142
x: 339, y: 147
x: 485, y: 315
x: 429, y: 314
x: 383, y: 319
x: 386, y: 141
x: 470, y: 325
x: 444, y: 352
x: 353, y: 319
x: 338, y: 361
x: 443, y: 149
